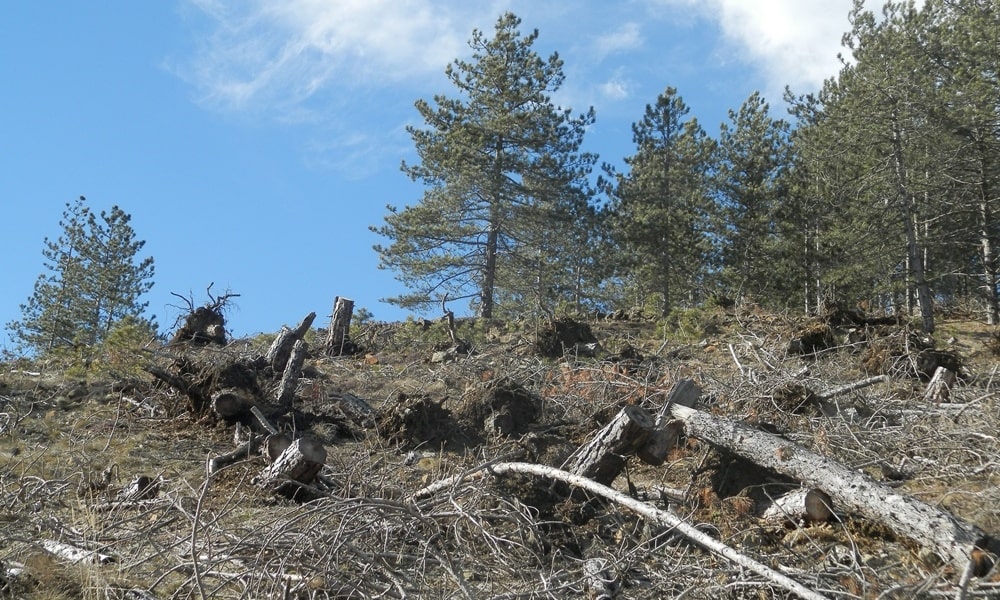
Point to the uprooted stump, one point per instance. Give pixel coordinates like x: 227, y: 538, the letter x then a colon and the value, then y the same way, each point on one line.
x: 564, y: 335
x: 503, y: 407
x: 205, y: 325
x: 812, y: 339
x: 414, y: 420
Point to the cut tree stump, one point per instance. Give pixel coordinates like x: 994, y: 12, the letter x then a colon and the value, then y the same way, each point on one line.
x: 299, y: 463
x: 281, y: 348
x: 603, y: 458
x: 231, y: 403
x: 666, y: 433
x: 337, y: 342
x: 804, y: 505
x: 939, y: 388
x: 952, y: 539
x: 293, y: 371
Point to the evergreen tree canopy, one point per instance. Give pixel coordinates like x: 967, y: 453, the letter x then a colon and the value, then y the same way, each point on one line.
x: 94, y: 281
x: 661, y: 206
x: 754, y: 158
x: 504, y: 176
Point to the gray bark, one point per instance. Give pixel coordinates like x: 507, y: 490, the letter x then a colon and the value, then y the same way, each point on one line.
x: 603, y: 458
x: 947, y: 536
x: 340, y: 326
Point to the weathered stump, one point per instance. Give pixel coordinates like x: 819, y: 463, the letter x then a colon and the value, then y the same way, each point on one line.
x: 337, y: 341
x: 939, y: 388
x: 666, y: 433
x: 293, y: 370
x: 281, y: 348
x: 603, y: 458
x: 298, y: 464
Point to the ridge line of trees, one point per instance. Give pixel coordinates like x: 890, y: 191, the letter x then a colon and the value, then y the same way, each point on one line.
x: 882, y: 191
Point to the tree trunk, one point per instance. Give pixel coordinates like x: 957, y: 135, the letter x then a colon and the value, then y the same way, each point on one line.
x: 340, y: 327
x: 948, y: 537
x: 489, y: 273
x: 603, y: 458
x: 988, y: 258
x: 913, y: 250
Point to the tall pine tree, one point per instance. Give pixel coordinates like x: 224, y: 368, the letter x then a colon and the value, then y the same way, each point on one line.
x: 504, y: 177
x: 751, y: 183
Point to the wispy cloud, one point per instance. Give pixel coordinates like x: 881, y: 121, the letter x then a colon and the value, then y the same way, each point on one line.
x: 625, y: 38
x: 267, y: 53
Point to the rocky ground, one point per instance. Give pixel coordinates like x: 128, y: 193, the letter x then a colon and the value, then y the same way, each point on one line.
x: 114, y: 465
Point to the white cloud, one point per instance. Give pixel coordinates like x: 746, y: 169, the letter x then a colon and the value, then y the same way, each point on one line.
x: 281, y: 52
x: 616, y: 88
x: 793, y: 42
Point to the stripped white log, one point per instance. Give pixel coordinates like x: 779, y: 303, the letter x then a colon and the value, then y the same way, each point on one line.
x: 850, y: 387
x: 75, y: 554
x: 661, y: 517
x: 950, y: 538
x: 804, y: 505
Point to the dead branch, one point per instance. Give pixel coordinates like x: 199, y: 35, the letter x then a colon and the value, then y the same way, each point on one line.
x: 850, y: 387
x: 667, y: 519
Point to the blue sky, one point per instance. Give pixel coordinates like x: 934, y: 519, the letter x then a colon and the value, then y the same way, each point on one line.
x: 255, y: 141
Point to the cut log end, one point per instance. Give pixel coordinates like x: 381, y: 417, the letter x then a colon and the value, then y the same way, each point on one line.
x: 804, y: 505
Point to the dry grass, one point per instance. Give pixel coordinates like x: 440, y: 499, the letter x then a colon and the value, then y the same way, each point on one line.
x: 67, y: 450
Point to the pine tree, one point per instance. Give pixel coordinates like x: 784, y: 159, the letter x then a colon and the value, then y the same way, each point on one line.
x: 753, y: 160
x: 92, y: 282
x: 503, y: 175
x: 661, y: 204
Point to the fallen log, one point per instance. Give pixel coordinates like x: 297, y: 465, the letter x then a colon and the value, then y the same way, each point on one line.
x: 75, y: 554
x: 231, y: 403
x: 952, y: 539
x: 244, y: 452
